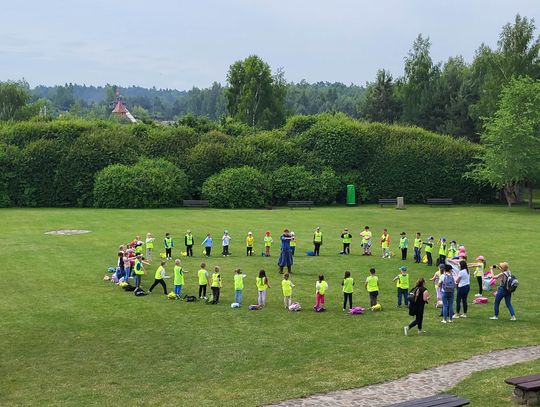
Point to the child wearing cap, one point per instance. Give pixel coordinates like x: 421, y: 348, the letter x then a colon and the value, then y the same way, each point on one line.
x: 402, y: 284
x: 479, y: 273
x: 267, y: 244
x: 403, y: 245
x: 249, y: 244
x: 225, y: 240
x: 168, y: 243
x: 372, y: 287
x: 452, y: 250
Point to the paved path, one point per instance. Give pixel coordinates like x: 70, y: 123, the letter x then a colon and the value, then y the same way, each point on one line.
x: 415, y: 385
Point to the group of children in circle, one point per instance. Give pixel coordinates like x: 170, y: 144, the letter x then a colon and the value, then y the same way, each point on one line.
x: 131, y: 265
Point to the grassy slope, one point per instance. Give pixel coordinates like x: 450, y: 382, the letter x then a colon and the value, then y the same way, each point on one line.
x: 69, y: 338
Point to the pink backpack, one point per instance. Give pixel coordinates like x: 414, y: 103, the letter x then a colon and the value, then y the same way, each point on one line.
x: 356, y: 310
x: 295, y: 307
x: 480, y: 300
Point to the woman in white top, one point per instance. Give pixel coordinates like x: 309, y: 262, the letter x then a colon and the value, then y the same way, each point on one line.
x: 464, y: 285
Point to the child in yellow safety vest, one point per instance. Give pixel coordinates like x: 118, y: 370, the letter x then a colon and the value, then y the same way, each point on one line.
x: 348, y: 288
x: 385, y: 244
x: 149, y: 246
x: 216, y: 285
x: 402, y: 284
x: 203, y: 281
x: 372, y: 287
x: 293, y: 243
x: 238, y: 285
x: 159, y: 276
x: 346, y: 239
x: 321, y: 287
x: 287, y: 286
x: 262, y: 285
x: 178, y: 278
x: 267, y: 244
x: 417, y: 248
x: 249, y: 244
x: 429, y: 251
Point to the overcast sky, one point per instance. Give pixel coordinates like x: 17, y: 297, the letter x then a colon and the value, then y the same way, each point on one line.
x: 181, y: 44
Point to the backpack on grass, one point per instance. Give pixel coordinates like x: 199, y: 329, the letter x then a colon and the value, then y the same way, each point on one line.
x: 190, y: 298
x: 295, y: 306
x: 139, y: 292
x: 129, y: 287
x: 356, y: 310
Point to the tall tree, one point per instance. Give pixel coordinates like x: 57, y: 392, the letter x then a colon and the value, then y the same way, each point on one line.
x: 517, y: 54
x: 381, y: 103
x: 512, y: 140
x: 13, y: 97
x: 255, y: 96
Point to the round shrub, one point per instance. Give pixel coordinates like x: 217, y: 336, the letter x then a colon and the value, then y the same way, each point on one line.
x: 147, y: 184
x: 244, y: 187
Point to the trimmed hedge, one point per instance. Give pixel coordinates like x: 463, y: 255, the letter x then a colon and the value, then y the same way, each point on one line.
x: 55, y: 162
x: 147, y: 184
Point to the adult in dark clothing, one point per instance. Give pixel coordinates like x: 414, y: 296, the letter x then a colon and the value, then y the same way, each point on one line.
x: 286, y: 256
x: 416, y: 306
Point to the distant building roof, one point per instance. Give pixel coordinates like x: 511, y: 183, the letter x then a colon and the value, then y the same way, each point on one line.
x: 120, y: 108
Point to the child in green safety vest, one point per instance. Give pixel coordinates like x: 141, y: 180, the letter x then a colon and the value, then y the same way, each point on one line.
x: 346, y: 239
x: 262, y: 285
x: 293, y: 243
x: 189, y: 241
x: 202, y: 274
x: 403, y: 245
x: 442, y: 251
x: 287, y: 286
x: 317, y: 241
x: 417, y: 248
x: 402, y: 284
x: 267, y: 244
x: 372, y: 287
x: 429, y: 251
x: 169, y: 244
x: 149, y: 246
x: 321, y: 287
x: 216, y: 285
x: 452, y: 250
x: 178, y: 278
x: 238, y: 285
x: 159, y: 277
x: 348, y: 288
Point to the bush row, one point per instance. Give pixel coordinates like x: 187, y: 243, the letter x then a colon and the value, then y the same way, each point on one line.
x: 57, y: 162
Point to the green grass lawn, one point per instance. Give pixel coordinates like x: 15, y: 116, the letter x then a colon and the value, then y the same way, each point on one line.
x: 68, y: 338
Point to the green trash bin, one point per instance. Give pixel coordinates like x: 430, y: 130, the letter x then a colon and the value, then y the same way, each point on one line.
x: 351, y: 195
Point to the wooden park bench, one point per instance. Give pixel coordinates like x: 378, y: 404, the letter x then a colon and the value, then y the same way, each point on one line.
x: 526, y: 390
x: 439, y: 201
x: 195, y: 202
x: 387, y: 201
x: 440, y: 400
x: 300, y: 204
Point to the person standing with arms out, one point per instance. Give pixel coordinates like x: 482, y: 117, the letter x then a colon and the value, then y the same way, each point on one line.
x: 348, y: 289
x: 238, y: 285
x: 159, y: 277
x: 429, y: 251
x: 346, y: 239
x: 317, y: 240
x: 293, y: 243
x: 168, y: 242
x: 372, y: 287
x: 452, y: 250
x: 249, y: 244
x: 267, y: 244
x: 479, y: 273
x: 418, y: 248
x: 149, y: 246
x: 463, y: 282
x: 207, y: 243
x: 262, y: 285
x: 203, y: 281
x: 503, y: 292
x: 402, y: 284
x: 442, y: 251
x: 320, y: 289
x: 216, y: 285
x: 178, y: 278
x: 287, y: 286
x: 385, y: 244
x: 416, y: 309
x: 403, y: 245
x: 188, y: 240
x: 225, y: 241
x: 448, y: 286
x: 138, y: 269
x: 366, y: 241
x: 285, y: 256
